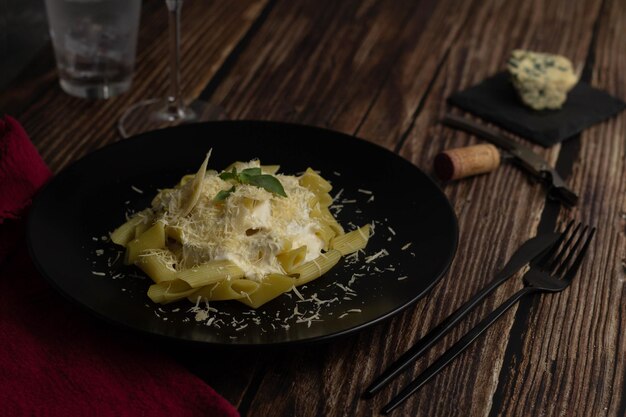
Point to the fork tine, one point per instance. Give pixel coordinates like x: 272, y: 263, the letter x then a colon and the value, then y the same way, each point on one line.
x: 554, y: 261
x: 572, y: 251
x: 571, y: 272
x: 548, y: 253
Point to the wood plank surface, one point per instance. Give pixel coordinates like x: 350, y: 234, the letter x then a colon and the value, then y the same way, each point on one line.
x: 382, y: 69
x: 285, y: 84
x: 210, y: 31
x: 573, y: 361
x: 492, y: 223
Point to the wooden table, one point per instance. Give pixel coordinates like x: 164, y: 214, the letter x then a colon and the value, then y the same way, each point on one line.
x: 382, y: 70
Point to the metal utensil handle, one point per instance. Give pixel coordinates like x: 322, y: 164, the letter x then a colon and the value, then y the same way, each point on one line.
x: 455, y: 350
x: 477, y: 129
x: 528, y: 251
x: 563, y: 195
x: 433, y: 336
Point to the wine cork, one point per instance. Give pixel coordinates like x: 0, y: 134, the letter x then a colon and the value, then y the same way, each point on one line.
x: 454, y: 164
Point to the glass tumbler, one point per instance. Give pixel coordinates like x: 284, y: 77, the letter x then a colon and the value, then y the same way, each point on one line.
x: 94, y: 43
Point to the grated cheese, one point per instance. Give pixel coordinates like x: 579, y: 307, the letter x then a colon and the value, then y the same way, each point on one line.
x: 295, y: 290
x: 336, y: 197
x: 249, y: 228
x: 379, y: 254
x: 271, y: 215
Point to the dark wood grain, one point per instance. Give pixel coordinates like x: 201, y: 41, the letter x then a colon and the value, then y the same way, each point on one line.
x: 492, y: 224
x: 318, y: 65
x: 382, y: 69
x: 583, y: 348
x: 573, y: 44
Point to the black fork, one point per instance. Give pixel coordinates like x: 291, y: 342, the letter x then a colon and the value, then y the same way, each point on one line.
x: 553, y: 272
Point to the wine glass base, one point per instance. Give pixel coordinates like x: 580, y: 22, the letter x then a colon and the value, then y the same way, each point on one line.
x: 156, y: 113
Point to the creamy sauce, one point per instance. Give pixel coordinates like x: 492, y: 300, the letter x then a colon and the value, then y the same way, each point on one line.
x: 249, y: 228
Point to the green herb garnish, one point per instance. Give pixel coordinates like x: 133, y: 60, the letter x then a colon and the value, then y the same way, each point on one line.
x: 223, y: 195
x: 268, y: 183
x: 251, y: 176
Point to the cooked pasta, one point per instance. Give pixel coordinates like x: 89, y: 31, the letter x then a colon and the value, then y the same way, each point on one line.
x: 247, y: 234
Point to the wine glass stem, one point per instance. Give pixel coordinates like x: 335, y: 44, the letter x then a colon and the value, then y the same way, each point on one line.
x: 174, y: 96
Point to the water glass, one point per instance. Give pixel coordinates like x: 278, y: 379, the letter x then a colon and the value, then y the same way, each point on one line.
x: 94, y: 43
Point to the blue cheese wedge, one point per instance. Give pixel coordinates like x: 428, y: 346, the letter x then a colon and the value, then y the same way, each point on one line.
x: 541, y: 80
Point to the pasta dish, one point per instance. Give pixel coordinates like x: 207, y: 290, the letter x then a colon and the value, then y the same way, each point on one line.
x: 247, y: 233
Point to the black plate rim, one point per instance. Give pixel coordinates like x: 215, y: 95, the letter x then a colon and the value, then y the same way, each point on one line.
x: 159, y: 336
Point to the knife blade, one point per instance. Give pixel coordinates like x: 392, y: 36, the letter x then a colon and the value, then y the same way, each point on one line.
x: 521, y: 155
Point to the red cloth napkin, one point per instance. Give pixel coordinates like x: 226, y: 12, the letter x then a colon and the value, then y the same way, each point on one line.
x: 54, y: 359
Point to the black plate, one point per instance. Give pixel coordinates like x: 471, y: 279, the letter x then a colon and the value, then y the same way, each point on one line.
x: 73, y: 214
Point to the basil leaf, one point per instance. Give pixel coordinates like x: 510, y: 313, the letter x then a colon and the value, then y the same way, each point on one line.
x: 245, y: 175
x: 252, y: 176
x: 252, y: 171
x: 228, y: 176
x: 269, y: 183
x: 223, y: 195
